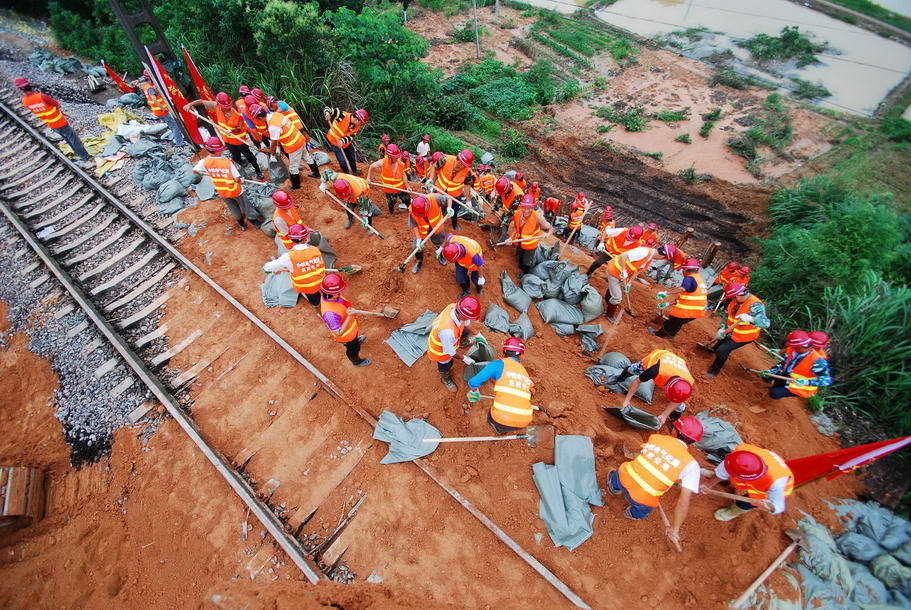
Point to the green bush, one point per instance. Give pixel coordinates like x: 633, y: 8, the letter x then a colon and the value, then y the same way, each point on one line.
x: 714, y: 115
x: 897, y: 129
x: 604, y: 128
x: 804, y: 89
x: 514, y: 144
x: 472, y: 75
x: 466, y: 32
x: 508, y: 97
x: 706, y: 128
x: 635, y: 119
x: 653, y: 155
x: 568, y: 91
x: 540, y: 77
x: 671, y: 116
x: 684, y: 138
x: 791, y: 44
x: 729, y: 78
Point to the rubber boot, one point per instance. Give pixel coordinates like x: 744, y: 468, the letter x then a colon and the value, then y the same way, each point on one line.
x: 390, y: 205
x: 418, y: 261
x: 611, y: 312
x: 314, y: 170
x: 295, y: 181
x: 362, y: 362
x: 729, y: 513
x: 259, y: 172
x: 478, y: 289
x: 659, y: 333
x: 464, y: 288
x: 446, y: 378
x: 241, y: 224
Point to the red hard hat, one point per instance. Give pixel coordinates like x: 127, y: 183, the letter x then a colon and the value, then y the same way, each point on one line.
x: 668, y: 251
x: 580, y: 195
x: 384, y: 138
x: 609, y: 212
x: 282, y: 200
x: 362, y: 115
x: 333, y: 284
x: 652, y: 226
x: 393, y: 151
x: 420, y: 160
x: 514, y: 344
x: 21, y: 81
x: 689, y: 427
x: 576, y: 204
x: 213, y: 144
x: 483, y: 167
x: 503, y: 185
x: 249, y: 100
x: 436, y: 156
x: 691, y: 264
x: 527, y: 201
x: 732, y: 266
x: 745, y: 465
x: 453, y: 252
x: 244, y: 90
x: 734, y: 289
x: 298, y: 232
x: 420, y: 206
x: 469, y: 308
x: 745, y: 271
x: 258, y: 93
x: 634, y: 233
x: 255, y: 110
x: 466, y: 157
x: 426, y: 137
x: 798, y: 338
x: 405, y: 154
x: 678, y: 389
x: 534, y: 185
x: 342, y: 188
x: 223, y: 99
x: 519, y: 175
x: 819, y: 338
x: 271, y: 101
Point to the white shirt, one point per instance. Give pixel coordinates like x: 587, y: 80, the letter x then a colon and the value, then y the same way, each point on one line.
x: 637, y: 254
x: 283, y: 262
x: 275, y: 131
x: 776, y: 491
x: 199, y: 168
x: 690, y: 475
x: 608, y: 232
x: 448, y: 338
x: 423, y: 148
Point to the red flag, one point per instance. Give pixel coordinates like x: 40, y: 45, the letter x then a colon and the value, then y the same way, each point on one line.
x: 201, y: 87
x: 176, y: 99
x: 123, y: 86
x: 836, y: 463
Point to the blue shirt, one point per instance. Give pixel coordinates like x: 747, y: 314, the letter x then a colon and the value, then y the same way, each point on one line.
x: 493, y: 370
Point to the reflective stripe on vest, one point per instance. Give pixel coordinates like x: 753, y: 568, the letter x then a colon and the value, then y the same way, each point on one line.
x: 434, y: 215
x: 290, y: 138
x: 219, y: 170
x: 234, y: 133
x: 451, y: 177
x: 616, y: 244
x: 471, y: 249
x: 359, y: 186
x: 531, y: 228
x: 393, y: 175
x: 423, y: 169
x: 724, y: 278
x: 341, y: 128
x: 691, y: 304
x: 291, y: 217
x: 348, y: 330
x: 804, y: 370
x: 776, y: 469
x: 575, y: 218
x: 51, y: 115
x: 307, y: 269
x: 486, y: 184
x: 669, y: 365
x: 613, y: 267
x: 656, y: 469
x: 441, y: 322
x: 293, y: 117
x: 743, y: 332
x: 512, y: 396
x: 156, y: 103
x: 513, y: 197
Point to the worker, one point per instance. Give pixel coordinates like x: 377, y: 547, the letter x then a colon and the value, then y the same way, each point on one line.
x: 446, y: 335
x: 350, y: 189
x: 663, y: 461
x: 725, y: 277
x: 452, y: 175
x: 304, y: 262
x: 384, y: 144
x: 257, y: 127
x: 506, y: 199
x: 743, y: 275
x: 258, y: 95
x: 422, y: 168
x: 284, y: 216
x: 342, y: 324
x: 343, y: 126
x: 486, y: 181
x: 392, y: 174
x: 650, y: 235
x: 282, y: 131
x: 535, y: 191
x: 423, y: 147
x: 551, y: 207
x: 577, y: 210
x: 758, y: 474
x: 468, y: 258
x: 228, y: 183
x: 669, y: 372
x: 424, y: 215
x: 613, y: 241
x: 48, y: 110
x: 240, y: 104
x: 622, y: 270
x: 528, y: 228
x: 511, y: 410
x: 519, y: 179
x: 820, y: 342
x: 808, y: 369
x: 159, y: 107
x: 231, y: 128
x: 746, y: 316
x: 690, y: 304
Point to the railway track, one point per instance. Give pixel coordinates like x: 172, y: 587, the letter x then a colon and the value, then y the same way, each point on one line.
x: 167, y: 321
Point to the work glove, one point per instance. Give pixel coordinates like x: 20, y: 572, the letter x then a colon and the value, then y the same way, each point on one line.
x: 450, y: 212
x: 745, y: 317
x: 662, y: 306
x: 468, y: 360
x: 482, y: 281
x: 721, y: 334
x: 364, y: 221
x: 474, y: 396
x: 627, y: 287
x: 765, y: 374
x: 323, y: 187
x: 624, y: 276
x: 481, y: 339
x: 267, y: 272
x: 601, y: 247
x: 661, y: 295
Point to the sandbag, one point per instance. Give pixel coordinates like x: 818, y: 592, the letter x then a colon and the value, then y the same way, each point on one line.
x: 903, y: 553
x: 171, y: 189
x: 896, y: 534
x: 820, y: 555
x: 563, y: 330
x: 496, y: 318
x: 615, y: 359
x: 556, y: 271
x: 588, y: 334
x: 522, y: 327
x: 858, y: 547
x: 545, y: 253
x: 514, y: 296
x: 320, y: 157
x: 644, y: 392
x: 533, y: 286
x: 867, y: 588
x: 599, y: 374
x: 818, y: 593
x: 556, y: 311
x: 572, y: 287
x: 132, y: 99
x: 482, y: 353
x: 880, y: 524
x: 592, y: 303
x: 205, y: 190
x: 143, y: 147
x: 719, y: 437
x: 892, y: 573
x: 278, y: 173
x: 186, y: 176
x: 552, y: 289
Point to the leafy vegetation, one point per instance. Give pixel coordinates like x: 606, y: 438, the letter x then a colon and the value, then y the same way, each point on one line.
x: 671, y: 116
x: 691, y: 175
x: 683, y: 137
x: 578, y: 39
x: 654, y: 155
x: 466, y: 32
x: 604, y: 128
x: 741, y: 82
x: 772, y: 128
x: 791, y: 44
x: 714, y: 115
x: 804, y: 89
x: 706, y: 128
x: 634, y: 119
x: 514, y: 144
x: 876, y: 11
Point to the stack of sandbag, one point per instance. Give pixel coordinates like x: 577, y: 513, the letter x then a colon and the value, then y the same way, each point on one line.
x: 497, y: 320
x: 607, y: 372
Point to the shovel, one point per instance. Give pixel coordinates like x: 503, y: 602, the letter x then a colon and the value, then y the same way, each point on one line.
x: 532, y: 433
x: 797, y: 540
x: 667, y: 525
x: 629, y: 305
x: 401, y: 268
x: 770, y: 375
x: 635, y: 417
x: 512, y: 242
x: 352, y: 269
x: 385, y: 312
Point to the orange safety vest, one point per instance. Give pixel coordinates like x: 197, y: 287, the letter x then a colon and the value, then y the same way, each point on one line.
x: 51, y: 115
x: 776, y: 469
x: 724, y: 278
x: 575, y: 218
x: 691, y: 305
x: 441, y: 322
x: 260, y: 127
x: 649, y: 236
x: 512, y: 396
x: 292, y: 217
x: 423, y: 169
x: 307, y: 269
x: 669, y: 365
x: 451, y: 176
x: 743, y: 332
x: 604, y: 226
x: 293, y: 117
x: 219, y: 170
x: 434, y: 215
x: 393, y: 175
x: 743, y: 279
x: 471, y: 248
x: 613, y: 267
x: 156, y: 103
x: 535, y: 193
x: 486, y: 184
x: 359, y: 186
x: 240, y: 104
x: 617, y: 245
x: 522, y: 184
x: 234, y: 129
x: 513, y: 197
x: 342, y: 128
x: 655, y: 470
x: 348, y: 330
x: 551, y: 204
x: 290, y: 137
x: 803, y: 370
x: 531, y: 228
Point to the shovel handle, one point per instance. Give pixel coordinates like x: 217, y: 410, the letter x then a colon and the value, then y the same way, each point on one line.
x: 724, y: 494
x: 465, y: 439
x: 424, y: 241
x: 367, y: 313
x: 667, y: 524
x: 516, y: 241
x: 740, y: 601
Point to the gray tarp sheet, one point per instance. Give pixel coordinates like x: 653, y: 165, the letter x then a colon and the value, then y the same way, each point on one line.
x: 410, y: 341
x: 588, y: 334
x: 566, y: 489
x: 719, y: 437
x: 404, y: 438
x: 514, y: 296
x: 522, y: 327
x: 496, y: 319
x: 278, y: 292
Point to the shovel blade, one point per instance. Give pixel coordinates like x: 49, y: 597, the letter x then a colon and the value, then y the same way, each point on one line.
x: 389, y: 312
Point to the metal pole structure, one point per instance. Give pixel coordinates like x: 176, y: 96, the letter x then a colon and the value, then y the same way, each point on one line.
x: 477, y: 38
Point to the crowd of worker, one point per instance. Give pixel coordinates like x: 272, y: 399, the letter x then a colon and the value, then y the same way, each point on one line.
x: 432, y: 188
